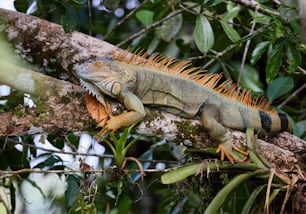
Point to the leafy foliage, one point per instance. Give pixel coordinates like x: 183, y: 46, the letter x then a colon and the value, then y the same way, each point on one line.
x: 258, y: 47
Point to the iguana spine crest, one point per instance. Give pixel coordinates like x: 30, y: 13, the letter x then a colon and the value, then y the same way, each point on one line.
x: 182, y: 69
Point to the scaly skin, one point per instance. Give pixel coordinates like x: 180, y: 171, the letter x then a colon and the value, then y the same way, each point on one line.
x: 139, y: 84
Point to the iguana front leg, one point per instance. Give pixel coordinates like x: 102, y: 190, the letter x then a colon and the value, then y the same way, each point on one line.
x: 136, y: 113
x: 210, y: 118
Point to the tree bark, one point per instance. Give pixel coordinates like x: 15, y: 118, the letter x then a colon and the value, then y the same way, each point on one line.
x: 61, y: 105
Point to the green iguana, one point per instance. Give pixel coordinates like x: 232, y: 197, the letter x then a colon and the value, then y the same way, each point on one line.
x: 172, y: 86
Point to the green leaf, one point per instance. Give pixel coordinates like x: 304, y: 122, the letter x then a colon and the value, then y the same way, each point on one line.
x: 218, y: 201
x: 49, y: 162
x: 301, y: 128
x: 80, y: 1
x: 250, y: 202
x: 194, y: 199
x: 279, y: 28
x: 70, y: 20
x: 273, y: 195
x: 258, y: 51
x: 21, y: 5
x: 260, y: 18
x: 231, y: 14
x: 231, y: 33
x: 279, y: 87
x: 147, y: 156
x: 145, y: 17
x: 274, y: 61
x: 250, y: 77
x: 203, y: 34
x: 111, y: 4
x: 171, y: 27
x: 72, y: 191
x: 293, y: 57
x: 179, y: 174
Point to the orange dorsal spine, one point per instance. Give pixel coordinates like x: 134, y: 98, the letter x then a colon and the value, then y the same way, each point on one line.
x: 183, y: 69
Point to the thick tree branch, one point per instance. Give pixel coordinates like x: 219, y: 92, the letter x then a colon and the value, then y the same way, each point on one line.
x: 61, y: 105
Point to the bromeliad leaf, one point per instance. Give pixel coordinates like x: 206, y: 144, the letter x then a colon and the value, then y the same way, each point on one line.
x: 179, y: 174
x: 218, y: 201
x: 252, y: 199
x: 203, y: 34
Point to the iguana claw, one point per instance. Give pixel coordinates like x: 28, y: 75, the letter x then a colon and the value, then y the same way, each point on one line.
x: 225, y: 150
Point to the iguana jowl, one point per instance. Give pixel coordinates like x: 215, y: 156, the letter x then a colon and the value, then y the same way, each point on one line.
x: 169, y: 84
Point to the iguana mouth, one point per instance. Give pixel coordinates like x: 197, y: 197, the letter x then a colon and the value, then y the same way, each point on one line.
x: 89, y: 88
x: 92, y: 90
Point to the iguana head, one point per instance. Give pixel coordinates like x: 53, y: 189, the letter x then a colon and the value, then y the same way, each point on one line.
x: 98, y: 76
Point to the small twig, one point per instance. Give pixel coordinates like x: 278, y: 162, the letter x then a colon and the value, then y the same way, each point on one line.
x: 294, y: 180
x: 124, y: 19
x: 83, y: 154
x: 7, y: 173
x: 301, y: 70
x: 292, y: 95
x: 187, y: 9
x: 138, y: 164
x: 60, y: 151
x: 89, y: 18
x: 246, y: 49
x: 253, y: 4
x: 230, y: 47
x: 271, y: 175
x: 155, y: 24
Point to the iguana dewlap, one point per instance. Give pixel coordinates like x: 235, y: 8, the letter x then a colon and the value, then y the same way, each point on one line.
x: 174, y: 87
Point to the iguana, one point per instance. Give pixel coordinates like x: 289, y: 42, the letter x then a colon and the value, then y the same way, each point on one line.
x: 176, y: 87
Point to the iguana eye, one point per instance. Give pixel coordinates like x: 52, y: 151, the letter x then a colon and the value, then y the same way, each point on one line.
x: 116, y: 88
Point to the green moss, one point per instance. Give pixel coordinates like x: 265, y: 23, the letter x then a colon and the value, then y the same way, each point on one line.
x: 185, y: 127
x: 19, y: 111
x: 40, y: 105
x: 66, y: 99
x: 42, y: 115
x: 152, y: 115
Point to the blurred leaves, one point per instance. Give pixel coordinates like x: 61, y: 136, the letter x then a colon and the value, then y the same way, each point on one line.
x: 145, y: 17
x: 293, y: 57
x: 258, y: 51
x: 72, y: 190
x: 171, y: 27
x: 250, y: 77
x: 274, y: 61
x: 232, y: 34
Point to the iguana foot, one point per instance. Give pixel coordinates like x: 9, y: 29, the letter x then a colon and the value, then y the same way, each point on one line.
x: 226, y: 150
x: 111, y: 125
